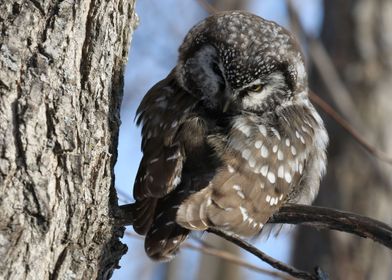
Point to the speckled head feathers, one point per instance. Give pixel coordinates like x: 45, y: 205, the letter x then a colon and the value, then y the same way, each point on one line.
x: 248, y: 46
x: 229, y: 136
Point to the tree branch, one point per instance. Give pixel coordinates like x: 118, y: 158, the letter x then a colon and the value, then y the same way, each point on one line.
x: 317, y: 217
x: 207, y: 7
x: 326, y: 218
x: 314, y: 216
x: 207, y: 249
x: 336, y: 88
x: 349, y: 129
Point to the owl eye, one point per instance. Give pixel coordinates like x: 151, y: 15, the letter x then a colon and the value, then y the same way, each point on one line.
x: 256, y: 88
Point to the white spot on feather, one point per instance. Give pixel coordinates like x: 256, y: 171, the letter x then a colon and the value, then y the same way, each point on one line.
x: 258, y: 144
x: 174, y: 124
x: 264, y: 152
x: 230, y: 168
x: 280, y: 155
x: 300, y: 168
x: 293, y: 150
x: 252, y: 162
x: 244, y: 213
x: 245, y: 129
x: 264, y: 170
x: 274, y: 131
x: 271, y: 177
x: 242, y: 126
x: 246, y: 154
x: 263, y: 130
x: 280, y: 171
x: 238, y: 189
x: 176, y: 181
x: 287, y: 177
x: 173, y: 157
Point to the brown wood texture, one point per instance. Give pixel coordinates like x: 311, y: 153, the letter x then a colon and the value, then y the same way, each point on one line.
x: 61, y: 84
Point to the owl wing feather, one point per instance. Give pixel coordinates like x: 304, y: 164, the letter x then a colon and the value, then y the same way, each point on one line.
x: 261, y: 166
x: 163, y: 157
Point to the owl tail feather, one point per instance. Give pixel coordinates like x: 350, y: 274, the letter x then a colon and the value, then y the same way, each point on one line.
x: 162, y: 243
x: 192, y: 214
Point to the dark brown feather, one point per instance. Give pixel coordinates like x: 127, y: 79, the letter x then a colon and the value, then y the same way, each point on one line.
x: 161, y: 166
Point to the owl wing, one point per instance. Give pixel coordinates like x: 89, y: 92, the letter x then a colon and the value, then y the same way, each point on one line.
x: 161, y: 113
x: 262, y: 167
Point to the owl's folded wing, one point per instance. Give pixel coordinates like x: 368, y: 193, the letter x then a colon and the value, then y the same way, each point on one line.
x: 161, y: 113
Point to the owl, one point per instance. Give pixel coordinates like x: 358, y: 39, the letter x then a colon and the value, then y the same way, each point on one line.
x: 228, y: 137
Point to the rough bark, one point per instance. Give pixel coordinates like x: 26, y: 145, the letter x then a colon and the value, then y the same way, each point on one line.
x: 357, y: 34
x: 61, y: 80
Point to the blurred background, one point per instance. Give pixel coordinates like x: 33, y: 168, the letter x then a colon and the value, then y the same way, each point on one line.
x: 348, y: 45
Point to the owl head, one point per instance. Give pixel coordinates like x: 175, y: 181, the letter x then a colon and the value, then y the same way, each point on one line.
x: 237, y: 61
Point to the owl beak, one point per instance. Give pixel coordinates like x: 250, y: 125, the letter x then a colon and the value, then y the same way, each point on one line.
x: 226, y: 105
x: 229, y: 100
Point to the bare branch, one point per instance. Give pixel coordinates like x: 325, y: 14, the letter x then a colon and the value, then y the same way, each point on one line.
x: 317, y: 217
x: 335, y: 86
x: 210, y: 250
x: 326, y: 218
x: 348, y: 128
x: 326, y: 68
x: 207, y: 7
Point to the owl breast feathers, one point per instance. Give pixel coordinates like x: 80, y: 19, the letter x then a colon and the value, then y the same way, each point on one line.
x: 229, y: 135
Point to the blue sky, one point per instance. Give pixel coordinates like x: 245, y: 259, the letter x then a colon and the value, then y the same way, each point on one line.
x: 163, y: 25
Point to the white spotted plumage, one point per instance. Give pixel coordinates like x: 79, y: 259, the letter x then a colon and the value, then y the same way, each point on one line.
x: 229, y: 136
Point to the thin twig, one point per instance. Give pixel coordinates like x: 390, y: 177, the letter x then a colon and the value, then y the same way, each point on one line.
x: 348, y: 128
x: 335, y: 87
x: 326, y: 68
x: 207, y: 7
x: 209, y: 250
x: 264, y: 257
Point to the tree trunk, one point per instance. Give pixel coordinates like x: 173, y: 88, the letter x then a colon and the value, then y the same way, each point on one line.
x: 357, y: 36
x: 61, y: 80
